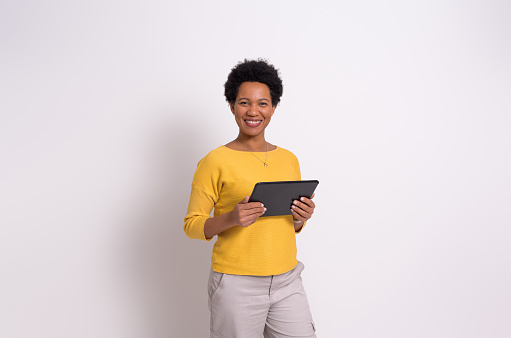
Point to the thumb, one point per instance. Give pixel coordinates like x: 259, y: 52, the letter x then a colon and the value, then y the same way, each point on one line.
x: 245, y: 200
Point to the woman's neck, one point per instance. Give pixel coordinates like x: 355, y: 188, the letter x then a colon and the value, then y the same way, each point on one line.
x: 256, y: 143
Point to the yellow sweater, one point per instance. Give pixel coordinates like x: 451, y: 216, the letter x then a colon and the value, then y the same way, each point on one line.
x: 223, y: 178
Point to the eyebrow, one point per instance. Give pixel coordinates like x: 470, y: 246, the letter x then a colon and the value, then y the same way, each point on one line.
x: 244, y: 98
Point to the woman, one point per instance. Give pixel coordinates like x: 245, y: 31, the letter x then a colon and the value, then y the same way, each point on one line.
x: 254, y: 286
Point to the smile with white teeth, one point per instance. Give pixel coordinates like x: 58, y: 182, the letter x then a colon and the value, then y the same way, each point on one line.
x: 253, y: 122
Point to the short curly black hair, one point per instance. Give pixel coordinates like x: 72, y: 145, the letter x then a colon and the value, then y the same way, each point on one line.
x: 254, y: 71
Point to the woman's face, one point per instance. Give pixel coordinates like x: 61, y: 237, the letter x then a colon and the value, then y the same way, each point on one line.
x: 253, y: 108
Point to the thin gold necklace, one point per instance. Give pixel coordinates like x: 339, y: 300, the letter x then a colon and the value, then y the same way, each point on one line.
x: 265, y: 159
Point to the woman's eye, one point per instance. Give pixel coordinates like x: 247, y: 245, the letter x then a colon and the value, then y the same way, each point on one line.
x: 243, y: 103
x: 263, y: 104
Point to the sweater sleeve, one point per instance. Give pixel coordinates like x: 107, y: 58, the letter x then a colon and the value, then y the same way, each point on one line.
x: 204, y: 195
x: 199, y: 210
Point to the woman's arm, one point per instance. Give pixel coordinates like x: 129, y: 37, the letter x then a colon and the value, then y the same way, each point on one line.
x: 243, y: 214
x: 302, y: 210
x: 218, y: 224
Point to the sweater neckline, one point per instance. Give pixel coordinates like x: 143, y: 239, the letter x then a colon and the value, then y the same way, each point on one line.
x: 248, y: 152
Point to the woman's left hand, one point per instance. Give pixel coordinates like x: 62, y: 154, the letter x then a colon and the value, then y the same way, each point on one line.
x: 303, y: 209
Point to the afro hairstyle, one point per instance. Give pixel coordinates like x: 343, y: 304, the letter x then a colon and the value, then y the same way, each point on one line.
x: 254, y: 71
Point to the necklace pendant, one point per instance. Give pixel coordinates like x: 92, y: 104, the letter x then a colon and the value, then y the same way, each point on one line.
x: 265, y: 165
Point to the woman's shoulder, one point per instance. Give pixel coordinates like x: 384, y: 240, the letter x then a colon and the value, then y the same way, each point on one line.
x: 215, y: 157
x: 286, y: 152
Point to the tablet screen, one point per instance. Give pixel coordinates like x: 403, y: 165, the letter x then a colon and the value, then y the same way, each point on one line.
x: 278, y: 197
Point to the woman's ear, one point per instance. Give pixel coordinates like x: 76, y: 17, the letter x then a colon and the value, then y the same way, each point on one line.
x: 231, y: 105
x: 273, y: 110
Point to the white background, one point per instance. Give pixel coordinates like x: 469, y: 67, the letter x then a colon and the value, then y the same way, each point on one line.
x: 401, y: 109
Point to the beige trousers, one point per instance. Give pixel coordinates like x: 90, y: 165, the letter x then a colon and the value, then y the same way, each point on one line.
x: 253, y: 306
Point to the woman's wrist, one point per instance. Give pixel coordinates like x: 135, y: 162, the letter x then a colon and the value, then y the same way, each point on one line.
x: 298, y: 225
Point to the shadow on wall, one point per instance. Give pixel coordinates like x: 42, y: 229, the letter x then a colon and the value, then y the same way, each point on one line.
x: 171, y: 268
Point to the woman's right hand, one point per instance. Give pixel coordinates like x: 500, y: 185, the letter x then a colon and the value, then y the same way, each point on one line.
x: 245, y: 213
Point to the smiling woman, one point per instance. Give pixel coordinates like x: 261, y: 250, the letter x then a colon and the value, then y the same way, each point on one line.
x: 255, y: 283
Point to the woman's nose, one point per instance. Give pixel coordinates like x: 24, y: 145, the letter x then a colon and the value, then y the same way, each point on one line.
x: 253, y: 110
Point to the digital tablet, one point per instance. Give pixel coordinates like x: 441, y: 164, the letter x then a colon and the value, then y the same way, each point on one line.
x: 278, y: 197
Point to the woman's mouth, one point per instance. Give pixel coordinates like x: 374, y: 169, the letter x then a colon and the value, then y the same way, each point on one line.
x: 253, y: 123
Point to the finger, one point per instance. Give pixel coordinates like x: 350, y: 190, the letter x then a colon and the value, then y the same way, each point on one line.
x: 251, y: 205
x: 245, y: 200
x: 255, y: 205
x: 252, y: 211
x: 297, y: 216
x: 300, y: 212
x: 249, y: 220
x: 313, y: 194
x: 308, y: 201
x: 303, y: 206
